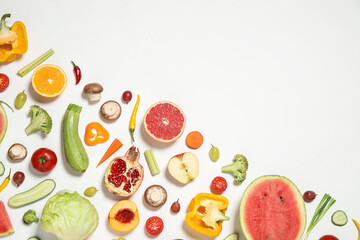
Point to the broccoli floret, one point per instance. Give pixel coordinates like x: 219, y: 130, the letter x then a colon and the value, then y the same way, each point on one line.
x: 30, y: 217
x: 41, y: 120
x: 237, y: 168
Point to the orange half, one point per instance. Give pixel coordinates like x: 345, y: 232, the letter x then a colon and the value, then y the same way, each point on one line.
x: 49, y: 80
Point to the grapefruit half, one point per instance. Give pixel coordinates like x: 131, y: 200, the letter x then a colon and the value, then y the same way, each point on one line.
x: 164, y: 121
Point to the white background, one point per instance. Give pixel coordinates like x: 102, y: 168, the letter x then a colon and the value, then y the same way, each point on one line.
x: 278, y: 81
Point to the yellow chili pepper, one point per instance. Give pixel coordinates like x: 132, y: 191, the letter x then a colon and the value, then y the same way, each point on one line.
x: 6, y: 182
x: 133, y: 119
x: 357, y: 226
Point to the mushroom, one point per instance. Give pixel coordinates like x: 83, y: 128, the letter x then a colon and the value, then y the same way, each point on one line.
x: 17, y: 152
x: 155, y: 196
x: 110, y: 110
x: 93, y: 92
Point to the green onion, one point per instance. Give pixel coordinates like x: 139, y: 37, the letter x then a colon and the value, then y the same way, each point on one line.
x: 326, y: 202
x: 22, y: 72
x: 151, y: 161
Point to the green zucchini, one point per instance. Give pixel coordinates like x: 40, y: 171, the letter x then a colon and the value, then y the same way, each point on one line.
x: 75, y: 152
x: 339, y: 218
x: 2, y: 169
x: 34, y: 238
x: 34, y: 194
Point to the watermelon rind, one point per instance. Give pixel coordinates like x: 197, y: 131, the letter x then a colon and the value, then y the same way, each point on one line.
x: 299, y: 198
x: 3, y: 115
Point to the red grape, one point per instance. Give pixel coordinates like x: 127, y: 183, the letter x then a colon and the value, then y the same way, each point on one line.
x: 127, y: 96
x: 175, y: 207
x: 309, y: 196
x: 18, y: 178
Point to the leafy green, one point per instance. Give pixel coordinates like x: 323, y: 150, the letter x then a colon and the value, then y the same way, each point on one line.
x: 69, y: 216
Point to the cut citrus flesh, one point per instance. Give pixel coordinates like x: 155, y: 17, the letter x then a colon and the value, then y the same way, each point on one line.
x: 164, y: 121
x: 49, y: 80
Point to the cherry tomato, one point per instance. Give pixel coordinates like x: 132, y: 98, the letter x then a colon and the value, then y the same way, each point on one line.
x: 4, y: 82
x: 218, y: 185
x: 44, y: 160
x: 154, y: 225
x: 328, y: 237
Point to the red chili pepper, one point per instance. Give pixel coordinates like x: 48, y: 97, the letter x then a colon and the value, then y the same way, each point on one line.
x: 77, y: 72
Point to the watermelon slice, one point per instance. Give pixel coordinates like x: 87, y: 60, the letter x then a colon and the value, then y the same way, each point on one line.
x: 3, y: 123
x: 5, y: 225
x: 272, y: 208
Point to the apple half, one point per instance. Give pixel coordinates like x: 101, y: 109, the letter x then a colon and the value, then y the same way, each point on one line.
x: 184, y: 167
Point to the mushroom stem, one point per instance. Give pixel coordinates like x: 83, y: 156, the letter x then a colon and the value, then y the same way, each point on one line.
x: 94, y: 97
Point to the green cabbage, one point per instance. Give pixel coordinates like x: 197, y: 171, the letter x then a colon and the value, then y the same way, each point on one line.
x: 69, y: 216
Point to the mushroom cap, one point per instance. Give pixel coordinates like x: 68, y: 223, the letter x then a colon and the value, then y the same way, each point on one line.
x: 110, y: 110
x: 17, y: 152
x: 155, y: 195
x: 93, y: 88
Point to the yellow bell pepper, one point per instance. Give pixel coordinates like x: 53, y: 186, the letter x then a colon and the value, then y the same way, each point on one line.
x: 13, y: 41
x: 206, y: 213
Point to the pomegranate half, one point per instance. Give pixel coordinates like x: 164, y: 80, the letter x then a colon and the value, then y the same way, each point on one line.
x: 124, y: 175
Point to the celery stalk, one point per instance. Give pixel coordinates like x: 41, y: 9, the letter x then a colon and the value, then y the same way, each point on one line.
x: 151, y: 161
x: 22, y: 72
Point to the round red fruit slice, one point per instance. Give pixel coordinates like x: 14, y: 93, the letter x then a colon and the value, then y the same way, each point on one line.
x: 164, y: 121
x: 154, y: 225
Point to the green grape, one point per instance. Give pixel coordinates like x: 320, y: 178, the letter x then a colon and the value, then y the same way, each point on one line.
x: 20, y: 100
x: 214, y: 153
x: 90, y: 191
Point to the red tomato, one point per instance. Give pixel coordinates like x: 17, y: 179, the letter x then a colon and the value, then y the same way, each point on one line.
x: 4, y: 82
x: 328, y: 237
x: 218, y: 185
x: 44, y: 160
x: 154, y: 225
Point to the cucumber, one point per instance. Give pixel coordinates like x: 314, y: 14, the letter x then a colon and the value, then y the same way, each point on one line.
x: 232, y: 236
x: 34, y: 238
x: 75, y: 152
x: 34, y: 194
x: 339, y: 218
x: 2, y: 169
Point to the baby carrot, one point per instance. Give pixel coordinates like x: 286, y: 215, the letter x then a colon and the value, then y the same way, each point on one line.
x: 115, y: 145
x: 133, y: 119
x: 194, y: 140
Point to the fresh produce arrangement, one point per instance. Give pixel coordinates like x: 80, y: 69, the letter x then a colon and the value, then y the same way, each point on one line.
x: 271, y: 206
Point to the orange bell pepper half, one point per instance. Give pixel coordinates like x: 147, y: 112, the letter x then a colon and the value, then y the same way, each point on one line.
x: 95, y: 133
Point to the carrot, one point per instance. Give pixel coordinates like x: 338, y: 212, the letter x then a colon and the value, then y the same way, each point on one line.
x: 115, y: 145
x: 194, y: 140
